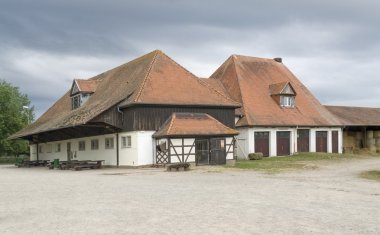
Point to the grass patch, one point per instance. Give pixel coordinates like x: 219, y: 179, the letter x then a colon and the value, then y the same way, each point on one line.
x: 299, y: 161
x: 371, y: 175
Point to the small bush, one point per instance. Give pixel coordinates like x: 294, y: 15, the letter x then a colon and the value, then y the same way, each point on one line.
x: 255, y: 156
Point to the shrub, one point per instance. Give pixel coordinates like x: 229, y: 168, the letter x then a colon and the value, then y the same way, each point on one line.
x: 255, y: 156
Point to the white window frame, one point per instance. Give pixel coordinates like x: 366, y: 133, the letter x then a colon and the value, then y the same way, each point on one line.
x: 126, y: 141
x: 287, y: 101
x: 58, y: 147
x: 93, y: 145
x: 111, y: 141
x: 80, y: 147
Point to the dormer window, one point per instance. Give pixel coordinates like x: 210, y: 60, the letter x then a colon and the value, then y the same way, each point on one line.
x: 75, y: 101
x: 284, y: 94
x: 81, y: 90
x: 287, y: 101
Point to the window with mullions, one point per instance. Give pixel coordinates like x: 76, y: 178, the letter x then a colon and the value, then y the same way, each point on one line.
x: 287, y: 101
x: 75, y: 102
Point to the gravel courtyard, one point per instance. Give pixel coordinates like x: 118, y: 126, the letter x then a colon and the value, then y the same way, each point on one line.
x: 211, y: 200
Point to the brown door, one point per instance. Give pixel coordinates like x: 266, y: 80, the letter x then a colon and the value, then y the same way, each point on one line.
x: 334, y: 139
x: 283, y: 143
x: 262, y: 143
x: 217, y: 151
x: 303, y: 140
x: 321, y: 141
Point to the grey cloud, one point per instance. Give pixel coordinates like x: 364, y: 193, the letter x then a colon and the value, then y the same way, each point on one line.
x: 318, y: 40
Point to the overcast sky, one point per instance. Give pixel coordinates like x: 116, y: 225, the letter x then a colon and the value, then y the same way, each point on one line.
x: 333, y: 47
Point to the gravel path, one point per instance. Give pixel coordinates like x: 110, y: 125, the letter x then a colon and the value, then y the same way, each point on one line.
x: 208, y: 200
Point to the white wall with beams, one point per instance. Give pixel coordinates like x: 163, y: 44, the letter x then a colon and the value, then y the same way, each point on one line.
x: 245, y: 143
x: 139, y: 153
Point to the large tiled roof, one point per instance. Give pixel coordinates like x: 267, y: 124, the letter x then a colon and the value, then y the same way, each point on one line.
x: 151, y: 79
x: 356, y: 116
x: 193, y: 124
x: 248, y: 81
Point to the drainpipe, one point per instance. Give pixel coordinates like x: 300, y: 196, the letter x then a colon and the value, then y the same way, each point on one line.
x: 117, y: 149
x: 295, y: 141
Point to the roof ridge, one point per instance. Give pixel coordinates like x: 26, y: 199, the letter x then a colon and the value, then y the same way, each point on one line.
x: 147, y: 75
x: 233, y: 59
x: 171, y: 122
x: 187, y: 71
x: 215, y: 90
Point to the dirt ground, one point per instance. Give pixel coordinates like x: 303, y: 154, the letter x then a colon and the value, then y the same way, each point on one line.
x: 209, y: 200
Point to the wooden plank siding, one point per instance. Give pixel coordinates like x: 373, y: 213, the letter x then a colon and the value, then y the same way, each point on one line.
x: 152, y: 117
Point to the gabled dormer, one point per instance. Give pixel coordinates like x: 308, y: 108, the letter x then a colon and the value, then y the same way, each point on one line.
x: 284, y: 94
x: 81, y: 90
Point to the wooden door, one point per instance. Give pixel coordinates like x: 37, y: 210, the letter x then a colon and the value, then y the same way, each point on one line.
x: 334, y: 141
x: 262, y: 143
x: 69, y: 154
x: 321, y: 141
x: 303, y: 140
x: 217, y: 151
x: 283, y: 143
x: 202, y: 152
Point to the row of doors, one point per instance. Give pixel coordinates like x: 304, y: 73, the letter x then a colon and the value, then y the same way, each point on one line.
x: 303, y: 140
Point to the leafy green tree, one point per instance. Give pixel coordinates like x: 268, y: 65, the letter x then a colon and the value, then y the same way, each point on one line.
x: 15, y: 114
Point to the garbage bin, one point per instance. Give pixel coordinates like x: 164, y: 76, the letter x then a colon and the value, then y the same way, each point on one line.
x: 56, y: 163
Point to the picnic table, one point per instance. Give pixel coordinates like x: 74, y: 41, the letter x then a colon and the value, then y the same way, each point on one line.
x: 78, y: 164
x: 30, y: 163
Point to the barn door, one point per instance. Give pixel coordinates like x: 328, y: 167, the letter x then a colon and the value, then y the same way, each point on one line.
x: 321, y: 141
x: 303, y: 140
x: 283, y: 143
x: 334, y: 139
x: 217, y: 151
x: 262, y: 143
x: 202, y: 152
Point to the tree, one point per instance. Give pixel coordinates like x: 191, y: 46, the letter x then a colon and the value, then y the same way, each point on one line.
x: 15, y: 114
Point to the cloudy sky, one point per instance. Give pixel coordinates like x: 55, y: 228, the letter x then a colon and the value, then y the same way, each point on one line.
x: 332, y: 46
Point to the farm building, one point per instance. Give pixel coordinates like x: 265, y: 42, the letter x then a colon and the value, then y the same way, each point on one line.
x: 153, y: 111
x: 361, y: 127
x: 279, y: 115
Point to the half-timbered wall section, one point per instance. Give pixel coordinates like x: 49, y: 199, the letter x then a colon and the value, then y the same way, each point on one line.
x: 183, y: 150
x: 152, y: 117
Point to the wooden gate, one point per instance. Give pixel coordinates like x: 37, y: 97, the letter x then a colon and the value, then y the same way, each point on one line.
x: 283, y: 143
x: 303, y: 140
x: 334, y: 139
x: 262, y: 143
x: 217, y: 151
x: 321, y: 141
x: 202, y: 152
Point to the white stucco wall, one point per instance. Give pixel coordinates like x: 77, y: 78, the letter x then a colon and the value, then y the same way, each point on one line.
x: 140, y: 152
x: 246, y: 140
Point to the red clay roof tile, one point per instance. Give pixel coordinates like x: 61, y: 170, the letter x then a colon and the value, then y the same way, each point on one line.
x: 193, y: 124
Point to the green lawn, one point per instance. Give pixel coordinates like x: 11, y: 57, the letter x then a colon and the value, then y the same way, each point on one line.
x: 299, y: 161
x: 372, y: 175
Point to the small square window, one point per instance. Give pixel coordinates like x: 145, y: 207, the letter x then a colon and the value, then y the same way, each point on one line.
x: 109, y: 143
x: 94, y: 144
x: 126, y: 141
x: 58, y: 148
x: 82, y: 145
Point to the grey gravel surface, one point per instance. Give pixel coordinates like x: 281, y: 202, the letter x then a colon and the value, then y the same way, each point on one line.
x: 209, y: 200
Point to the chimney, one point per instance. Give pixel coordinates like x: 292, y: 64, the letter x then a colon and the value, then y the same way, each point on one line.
x: 278, y: 59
